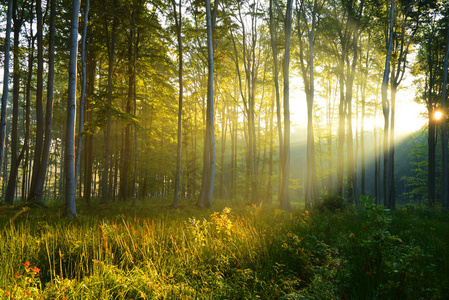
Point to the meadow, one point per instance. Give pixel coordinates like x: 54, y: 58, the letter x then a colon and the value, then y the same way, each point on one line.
x: 151, y: 251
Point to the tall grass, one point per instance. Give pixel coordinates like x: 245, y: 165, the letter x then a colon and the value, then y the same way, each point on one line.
x: 114, y: 251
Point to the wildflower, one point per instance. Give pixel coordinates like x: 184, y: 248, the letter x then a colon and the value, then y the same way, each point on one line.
x: 27, y: 264
x: 36, y: 270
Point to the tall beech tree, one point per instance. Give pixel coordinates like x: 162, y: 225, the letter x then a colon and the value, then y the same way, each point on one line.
x: 307, y: 72
x: 386, y: 104
x: 39, y: 140
x: 70, y: 204
x: 178, y: 23
x: 5, y: 80
x: 19, y: 19
x: 39, y: 188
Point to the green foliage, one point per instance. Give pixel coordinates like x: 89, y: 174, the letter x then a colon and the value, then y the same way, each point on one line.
x: 331, y: 202
x: 153, y: 252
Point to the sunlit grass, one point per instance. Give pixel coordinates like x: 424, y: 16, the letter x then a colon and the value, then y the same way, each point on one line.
x: 114, y: 251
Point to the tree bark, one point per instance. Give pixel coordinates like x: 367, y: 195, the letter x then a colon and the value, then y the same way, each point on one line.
x: 106, y: 191
x: 5, y: 81
x: 39, y: 188
x: 25, y: 181
x: 386, y: 109
x: 70, y: 204
x: 285, y: 196
x: 178, y: 24
x: 15, y: 161
x: 83, y: 94
x: 445, y: 175
x: 210, y: 103
x: 39, y: 105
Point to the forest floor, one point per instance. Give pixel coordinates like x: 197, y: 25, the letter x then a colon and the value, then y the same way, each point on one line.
x: 151, y: 251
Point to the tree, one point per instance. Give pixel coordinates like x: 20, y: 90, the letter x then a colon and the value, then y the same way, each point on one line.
x: 285, y: 195
x: 386, y: 106
x: 210, y: 102
x: 110, y: 44
x: 83, y: 92
x: 273, y: 38
x: 37, y: 161
x: 70, y: 204
x: 307, y: 71
x: 445, y: 175
x: 408, y: 20
x: 5, y: 81
x: 207, y: 186
x: 178, y: 20
x: 19, y: 19
x: 39, y: 187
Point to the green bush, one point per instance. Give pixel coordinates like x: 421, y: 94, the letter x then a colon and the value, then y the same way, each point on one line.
x: 331, y: 202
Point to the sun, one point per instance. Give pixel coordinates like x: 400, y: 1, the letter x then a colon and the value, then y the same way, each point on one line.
x: 438, y: 115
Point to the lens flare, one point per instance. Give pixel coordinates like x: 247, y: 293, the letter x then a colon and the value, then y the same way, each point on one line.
x: 438, y: 115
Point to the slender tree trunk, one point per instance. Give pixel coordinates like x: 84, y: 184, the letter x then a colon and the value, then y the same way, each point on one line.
x: 362, y: 129
x: 25, y: 180
x: 445, y: 175
x: 341, y: 130
x: 106, y: 192
x: 126, y: 157
x: 392, y: 146
x: 206, y: 159
x: 330, y: 113
x: 83, y: 94
x: 269, y: 196
x: 431, y: 159
x: 88, y: 145
x: 285, y: 197
x: 5, y: 81
x: 210, y: 105
x: 39, y: 105
x: 277, y: 90
x: 136, y: 153
x: 38, y: 190
x: 70, y: 204
x: 15, y: 161
x: 386, y: 110
x: 223, y: 150
x: 178, y: 24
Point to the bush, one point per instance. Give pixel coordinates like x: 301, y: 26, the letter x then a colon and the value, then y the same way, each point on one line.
x: 331, y: 202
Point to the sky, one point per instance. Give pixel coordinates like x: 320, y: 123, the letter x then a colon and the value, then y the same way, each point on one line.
x: 409, y: 114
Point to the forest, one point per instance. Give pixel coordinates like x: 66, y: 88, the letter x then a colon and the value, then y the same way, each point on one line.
x: 227, y: 149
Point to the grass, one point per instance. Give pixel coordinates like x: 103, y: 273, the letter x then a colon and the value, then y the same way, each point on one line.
x: 114, y: 251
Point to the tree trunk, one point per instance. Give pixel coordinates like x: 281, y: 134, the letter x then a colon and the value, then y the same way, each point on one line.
x: 38, y: 190
x: 15, y: 162
x: 210, y: 104
x: 88, y: 145
x: 25, y: 181
x: 5, y: 81
x: 126, y: 157
x: 285, y: 197
x: 83, y: 94
x: 278, y: 94
x: 178, y: 24
x: 107, y: 156
x: 386, y: 110
x: 445, y: 175
x: 39, y: 105
x: 341, y: 129
x: 70, y: 204
x: 136, y: 153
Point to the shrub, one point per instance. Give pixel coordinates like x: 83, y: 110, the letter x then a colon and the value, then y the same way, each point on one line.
x: 331, y: 202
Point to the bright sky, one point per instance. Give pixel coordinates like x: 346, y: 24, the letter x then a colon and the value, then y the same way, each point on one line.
x: 408, y: 113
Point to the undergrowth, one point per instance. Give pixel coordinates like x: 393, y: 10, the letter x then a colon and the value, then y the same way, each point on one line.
x: 114, y: 251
